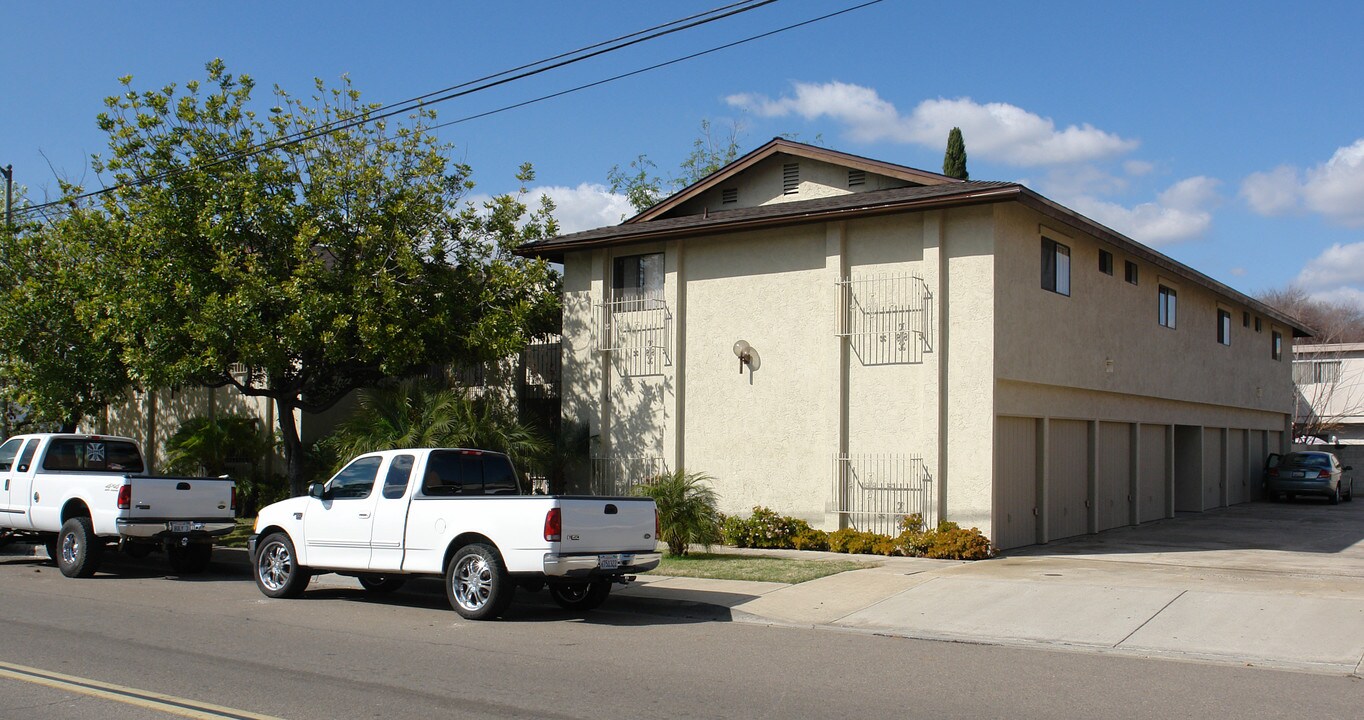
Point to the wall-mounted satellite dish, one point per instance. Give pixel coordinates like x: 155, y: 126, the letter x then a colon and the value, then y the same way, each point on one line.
x: 747, y: 356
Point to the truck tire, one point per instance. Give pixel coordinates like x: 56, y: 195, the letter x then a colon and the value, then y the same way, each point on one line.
x: 189, y: 559
x: 381, y: 584
x: 580, y: 596
x: 276, y: 568
x: 476, y: 583
x: 50, y: 545
x: 78, y: 548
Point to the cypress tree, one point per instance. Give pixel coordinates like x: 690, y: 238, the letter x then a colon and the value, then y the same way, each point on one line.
x: 954, y: 160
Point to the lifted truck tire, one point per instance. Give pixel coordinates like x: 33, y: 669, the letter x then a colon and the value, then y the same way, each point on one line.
x: 276, y: 568
x: 79, y: 550
x: 189, y: 559
x: 477, y: 584
x: 580, y: 596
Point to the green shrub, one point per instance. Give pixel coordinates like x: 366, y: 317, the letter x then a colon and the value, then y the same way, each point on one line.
x: 686, y: 509
x: 851, y: 540
x: 764, y: 529
x: 811, y: 539
x: 951, y: 542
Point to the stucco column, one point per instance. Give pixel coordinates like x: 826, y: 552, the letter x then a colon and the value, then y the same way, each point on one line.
x: 935, y: 381
x: 675, y: 293
x: 836, y: 270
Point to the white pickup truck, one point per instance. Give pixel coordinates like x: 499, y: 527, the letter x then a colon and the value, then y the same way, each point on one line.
x: 456, y: 513
x: 78, y: 493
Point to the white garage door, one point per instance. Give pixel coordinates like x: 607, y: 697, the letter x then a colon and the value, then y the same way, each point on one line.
x: 1151, y: 484
x: 1067, y: 478
x: 1015, y: 491
x: 1212, y: 468
x: 1238, y: 481
x: 1112, y: 489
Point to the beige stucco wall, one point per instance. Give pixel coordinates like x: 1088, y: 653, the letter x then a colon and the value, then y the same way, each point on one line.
x: 762, y: 185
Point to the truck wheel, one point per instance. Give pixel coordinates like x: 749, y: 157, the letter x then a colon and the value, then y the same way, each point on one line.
x: 78, y: 548
x: 189, y: 559
x: 580, y: 596
x: 381, y: 584
x: 476, y: 583
x: 50, y: 545
x: 278, y: 574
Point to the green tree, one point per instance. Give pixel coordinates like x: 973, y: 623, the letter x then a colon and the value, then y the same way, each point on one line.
x: 54, y: 365
x: 687, y: 513
x: 319, y: 248
x: 418, y: 412
x: 954, y: 160
x: 643, y: 188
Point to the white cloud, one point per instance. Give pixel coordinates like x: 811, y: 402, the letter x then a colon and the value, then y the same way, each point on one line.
x: 1342, y: 295
x: 1181, y: 212
x: 1138, y: 168
x: 1334, y: 188
x: 993, y: 131
x: 585, y: 207
x: 1335, y: 268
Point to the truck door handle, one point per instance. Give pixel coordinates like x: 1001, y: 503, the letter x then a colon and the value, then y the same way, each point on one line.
x: 7, y: 483
x: 364, y: 515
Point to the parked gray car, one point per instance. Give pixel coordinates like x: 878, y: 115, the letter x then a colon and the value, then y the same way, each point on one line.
x: 1308, y: 473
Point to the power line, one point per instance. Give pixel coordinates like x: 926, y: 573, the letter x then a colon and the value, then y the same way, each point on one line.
x: 421, y: 101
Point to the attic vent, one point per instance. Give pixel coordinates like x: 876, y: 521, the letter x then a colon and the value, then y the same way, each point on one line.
x: 729, y: 195
x: 857, y: 177
x: 790, y: 178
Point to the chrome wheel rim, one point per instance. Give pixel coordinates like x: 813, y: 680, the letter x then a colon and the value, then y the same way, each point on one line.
x: 71, y: 547
x: 473, y: 582
x: 274, y: 566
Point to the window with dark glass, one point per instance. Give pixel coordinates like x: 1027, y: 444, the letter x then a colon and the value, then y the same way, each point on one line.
x: 468, y: 472
x: 1276, y: 345
x: 637, y: 281
x: 1245, y: 319
x: 26, y: 457
x: 1130, y: 272
x: 1105, y: 262
x: 7, y: 453
x: 1055, y: 267
x: 356, y: 480
x: 399, y: 472
x: 1166, y: 310
x: 1224, y: 327
x: 1257, y: 324
x: 92, y: 455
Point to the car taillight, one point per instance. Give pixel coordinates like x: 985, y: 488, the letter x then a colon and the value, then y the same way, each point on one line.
x: 1324, y: 474
x: 554, y: 525
x: 125, y: 496
x: 1273, y: 472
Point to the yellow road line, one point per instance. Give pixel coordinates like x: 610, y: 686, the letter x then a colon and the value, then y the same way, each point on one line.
x: 129, y: 696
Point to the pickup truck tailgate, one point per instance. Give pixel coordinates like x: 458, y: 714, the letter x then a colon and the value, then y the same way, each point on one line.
x: 197, y: 498
x: 607, y: 524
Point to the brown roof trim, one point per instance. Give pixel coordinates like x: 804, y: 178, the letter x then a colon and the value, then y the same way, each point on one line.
x: 789, y: 147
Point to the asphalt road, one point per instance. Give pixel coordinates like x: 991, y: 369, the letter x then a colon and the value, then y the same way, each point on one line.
x: 134, y: 643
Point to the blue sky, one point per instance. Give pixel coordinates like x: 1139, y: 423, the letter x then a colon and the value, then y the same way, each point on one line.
x: 1229, y: 135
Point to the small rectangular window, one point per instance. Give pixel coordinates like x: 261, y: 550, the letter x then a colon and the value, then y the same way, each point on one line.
x: 1167, y: 309
x: 1105, y: 262
x: 1245, y: 319
x: 1276, y: 345
x: 1224, y: 327
x: 790, y: 178
x: 637, y: 281
x: 1055, y: 267
x: 1130, y: 272
x: 1257, y: 324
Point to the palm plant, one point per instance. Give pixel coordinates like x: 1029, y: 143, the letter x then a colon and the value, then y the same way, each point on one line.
x: 416, y: 413
x: 214, y: 446
x: 687, y: 513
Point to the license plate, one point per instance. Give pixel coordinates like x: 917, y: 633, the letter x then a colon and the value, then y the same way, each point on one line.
x: 608, y: 562
x: 1299, y: 474
x: 180, y: 526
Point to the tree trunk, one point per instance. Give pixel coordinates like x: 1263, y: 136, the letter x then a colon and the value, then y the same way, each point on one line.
x: 293, y: 450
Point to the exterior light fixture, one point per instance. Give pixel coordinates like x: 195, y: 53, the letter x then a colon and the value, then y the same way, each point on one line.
x: 747, y: 356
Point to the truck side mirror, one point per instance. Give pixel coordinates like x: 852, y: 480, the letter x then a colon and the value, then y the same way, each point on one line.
x: 318, y: 490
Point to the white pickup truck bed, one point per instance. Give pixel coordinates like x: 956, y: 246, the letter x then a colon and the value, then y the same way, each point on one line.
x: 416, y: 512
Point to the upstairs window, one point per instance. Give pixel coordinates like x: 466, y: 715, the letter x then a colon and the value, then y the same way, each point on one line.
x: 636, y: 281
x: 1166, y: 310
x: 1130, y: 272
x: 1257, y: 324
x: 1245, y: 319
x: 1276, y: 345
x: 1105, y: 262
x: 1224, y: 327
x: 1055, y: 267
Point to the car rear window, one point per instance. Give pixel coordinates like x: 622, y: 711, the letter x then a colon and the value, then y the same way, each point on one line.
x: 89, y: 455
x: 1314, y: 460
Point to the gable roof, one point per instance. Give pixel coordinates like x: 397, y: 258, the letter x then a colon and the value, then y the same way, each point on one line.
x: 945, y: 194
x: 789, y: 147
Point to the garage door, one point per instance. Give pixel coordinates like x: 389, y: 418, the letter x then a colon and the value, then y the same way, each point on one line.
x: 1238, y: 483
x: 1067, y: 479
x: 1151, y: 484
x: 1015, y: 491
x: 1212, y: 468
x: 1112, y: 491
x: 1255, y: 490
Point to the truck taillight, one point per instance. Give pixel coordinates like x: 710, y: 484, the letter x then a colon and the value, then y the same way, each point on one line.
x: 554, y: 525
x: 657, y: 527
x: 234, y: 497
x: 125, y: 496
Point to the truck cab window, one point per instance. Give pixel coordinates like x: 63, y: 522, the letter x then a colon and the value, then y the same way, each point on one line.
x: 87, y: 455
x: 356, y: 480
x: 498, y: 476
x: 7, y: 453
x: 399, y: 471
x: 26, y: 457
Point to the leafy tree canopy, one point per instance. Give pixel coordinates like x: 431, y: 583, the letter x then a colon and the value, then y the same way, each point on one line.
x: 954, y: 160
x: 643, y: 188
x: 300, y: 253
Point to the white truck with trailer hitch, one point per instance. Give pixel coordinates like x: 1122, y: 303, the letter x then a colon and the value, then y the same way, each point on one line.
x: 78, y: 494
x: 459, y: 514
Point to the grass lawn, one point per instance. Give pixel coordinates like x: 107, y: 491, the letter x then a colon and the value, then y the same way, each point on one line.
x: 237, y: 538
x: 747, y: 567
